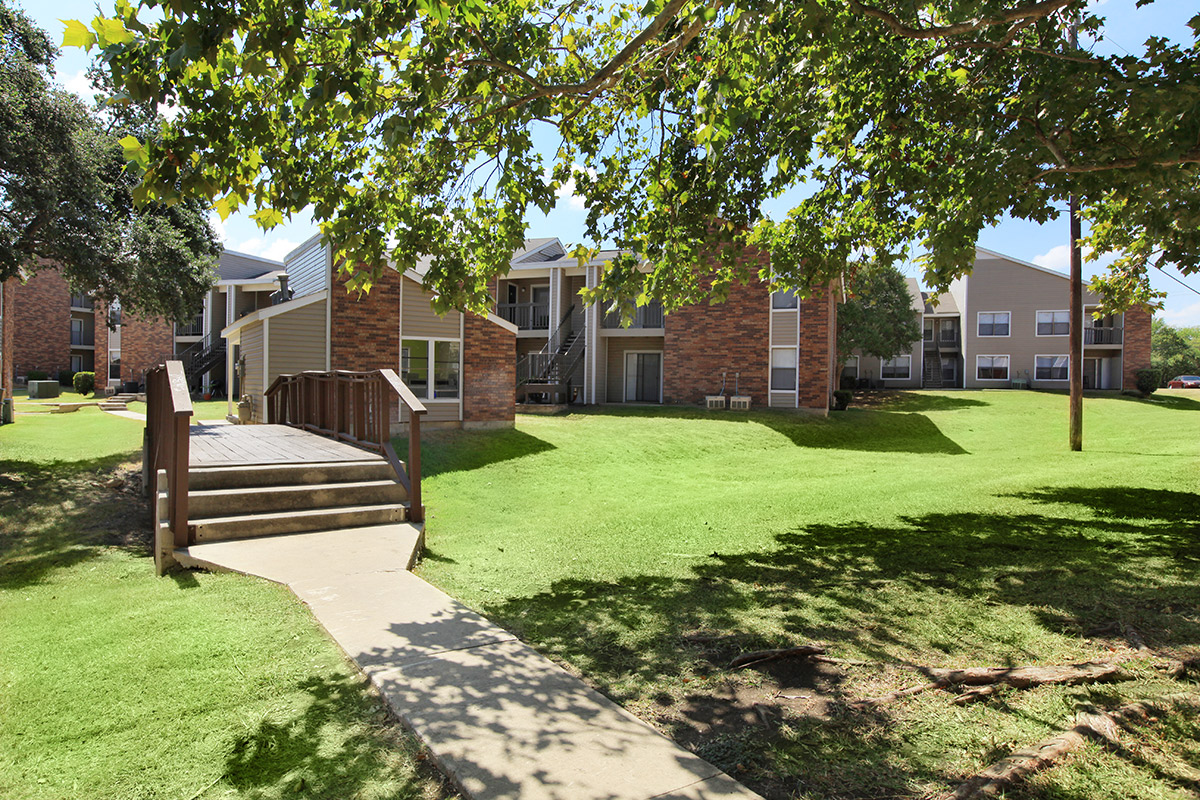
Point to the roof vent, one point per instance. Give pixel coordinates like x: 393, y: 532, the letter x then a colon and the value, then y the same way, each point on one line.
x: 284, y: 294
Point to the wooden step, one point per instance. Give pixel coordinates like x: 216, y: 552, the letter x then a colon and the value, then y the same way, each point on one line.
x: 274, y: 475
x: 212, y: 529
x: 258, y: 499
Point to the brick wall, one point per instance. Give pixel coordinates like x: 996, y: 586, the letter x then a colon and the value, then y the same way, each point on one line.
x: 818, y: 350
x: 700, y: 342
x: 8, y: 291
x: 365, y: 331
x: 42, y: 313
x: 1135, y: 353
x: 144, y: 343
x: 489, y: 372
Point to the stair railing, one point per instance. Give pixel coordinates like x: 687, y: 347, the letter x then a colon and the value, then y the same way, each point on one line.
x: 536, y: 367
x: 354, y: 407
x: 165, y: 443
x: 572, y: 358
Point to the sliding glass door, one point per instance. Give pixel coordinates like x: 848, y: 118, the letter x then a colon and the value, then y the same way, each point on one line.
x: 643, y: 377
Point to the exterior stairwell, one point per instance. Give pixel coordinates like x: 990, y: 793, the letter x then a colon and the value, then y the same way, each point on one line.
x: 238, y: 502
x: 932, y: 378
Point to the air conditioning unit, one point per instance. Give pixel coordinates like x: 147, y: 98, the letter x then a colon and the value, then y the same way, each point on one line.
x: 714, y: 402
x: 739, y: 402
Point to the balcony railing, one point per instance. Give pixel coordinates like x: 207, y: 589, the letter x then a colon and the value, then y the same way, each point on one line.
x: 82, y: 339
x: 526, y: 316
x: 82, y: 301
x: 648, y: 316
x: 1102, y: 335
x: 193, y: 328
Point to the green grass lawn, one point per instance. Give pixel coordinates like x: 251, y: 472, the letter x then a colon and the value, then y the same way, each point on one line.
x: 645, y: 547
x: 22, y: 404
x: 117, y: 684
x: 201, y: 409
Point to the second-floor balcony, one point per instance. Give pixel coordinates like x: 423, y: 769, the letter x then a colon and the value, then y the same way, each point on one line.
x: 193, y: 328
x: 946, y: 340
x: 526, y: 316
x: 647, y: 316
x: 1103, y: 335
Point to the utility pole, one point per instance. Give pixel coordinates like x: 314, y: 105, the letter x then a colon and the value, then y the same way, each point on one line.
x: 1075, y: 358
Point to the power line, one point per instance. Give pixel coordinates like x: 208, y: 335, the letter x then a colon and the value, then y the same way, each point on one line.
x: 1181, y: 283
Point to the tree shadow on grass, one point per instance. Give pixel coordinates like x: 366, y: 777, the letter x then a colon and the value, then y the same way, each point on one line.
x: 929, y: 589
x: 461, y: 451
x: 54, y: 515
x: 915, y: 401
x: 313, y: 754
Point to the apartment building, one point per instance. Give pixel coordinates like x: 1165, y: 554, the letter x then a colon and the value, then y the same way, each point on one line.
x: 775, y: 348
x: 460, y: 365
x: 1007, y: 323
x: 54, y: 329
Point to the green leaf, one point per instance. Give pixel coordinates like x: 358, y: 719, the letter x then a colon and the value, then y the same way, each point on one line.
x: 135, y: 151
x: 111, y: 31
x: 77, y: 34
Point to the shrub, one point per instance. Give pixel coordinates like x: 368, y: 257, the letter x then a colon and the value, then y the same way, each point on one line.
x: 847, y: 383
x: 36, y: 375
x: 841, y: 399
x: 84, y: 382
x: 1148, y: 380
x: 66, y: 377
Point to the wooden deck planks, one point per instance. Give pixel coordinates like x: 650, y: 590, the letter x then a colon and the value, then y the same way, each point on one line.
x: 222, y: 445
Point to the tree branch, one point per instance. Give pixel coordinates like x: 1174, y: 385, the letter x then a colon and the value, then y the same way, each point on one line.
x: 898, y: 27
x: 1190, y: 157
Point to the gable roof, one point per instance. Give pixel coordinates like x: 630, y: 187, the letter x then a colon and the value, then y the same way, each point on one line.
x: 235, y: 266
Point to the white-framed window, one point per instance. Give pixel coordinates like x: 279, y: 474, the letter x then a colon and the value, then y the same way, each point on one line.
x: 783, y: 369
x: 431, y: 367
x: 896, y: 369
x: 993, y: 323
x: 1051, y: 368
x: 1053, y: 323
x: 114, y: 365
x: 76, y: 363
x: 785, y: 298
x: 991, y: 368
x: 850, y: 368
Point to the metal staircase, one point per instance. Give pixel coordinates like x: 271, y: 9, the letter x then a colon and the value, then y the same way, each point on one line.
x: 550, y: 370
x: 200, y: 358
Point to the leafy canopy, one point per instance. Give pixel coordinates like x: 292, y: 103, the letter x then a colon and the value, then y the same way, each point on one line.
x: 425, y: 127
x: 877, y: 316
x: 1174, y: 351
x: 66, y: 192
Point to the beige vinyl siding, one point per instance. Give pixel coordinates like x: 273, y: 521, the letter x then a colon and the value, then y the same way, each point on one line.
x: 526, y: 346
x: 297, y: 341
x: 574, y: 284
x: 784, y: 328
x: 306, y: 269
x: 871, y: 367
x: 251, y: 350
x: 418, y: 319
x: 618, y: 346
x: 782, y: 399
x: 440, y: 412
x: 601, y: 382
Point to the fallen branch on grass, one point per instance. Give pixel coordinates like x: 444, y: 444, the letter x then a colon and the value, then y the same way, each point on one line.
x: 1021, y: 764
x: 760, y: 656
x: 991, y: 678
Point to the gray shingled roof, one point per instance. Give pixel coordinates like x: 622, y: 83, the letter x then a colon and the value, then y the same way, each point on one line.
x: 234, y: 266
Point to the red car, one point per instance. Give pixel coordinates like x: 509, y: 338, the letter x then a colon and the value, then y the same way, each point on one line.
x: 1184, y: 382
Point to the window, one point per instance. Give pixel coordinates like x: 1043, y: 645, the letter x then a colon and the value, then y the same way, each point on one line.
x: 896, y: 369
x: 784, y: 299
x: 416, y: 369
x: 76, y: 363
x: 783, y: 369
x: 114, y: 365
x: 1053, y: 323
x: 1050, y: 368
x: 991, y: 368
x: 993, y: 323
x: 929, y: 330
x: 850, y: 368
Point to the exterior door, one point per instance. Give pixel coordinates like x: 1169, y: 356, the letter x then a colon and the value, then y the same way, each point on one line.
x: 950, y: 370
x: 643, y: 377
x: 1091, y: 373
x: 541, y: 306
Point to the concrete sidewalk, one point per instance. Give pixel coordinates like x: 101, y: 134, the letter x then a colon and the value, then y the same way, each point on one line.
x: 501, y: 720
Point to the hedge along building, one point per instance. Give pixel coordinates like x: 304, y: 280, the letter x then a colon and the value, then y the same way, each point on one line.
x: 773, y: 347
x: 461, y: 366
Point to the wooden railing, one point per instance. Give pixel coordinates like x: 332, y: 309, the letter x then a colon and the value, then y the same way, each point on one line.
x: 526, y: 316
x: 353, y: 407
x: 168, y: 417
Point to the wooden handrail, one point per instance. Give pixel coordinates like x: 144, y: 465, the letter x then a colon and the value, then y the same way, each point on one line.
x: 353, y: 407
x: 168, y: 420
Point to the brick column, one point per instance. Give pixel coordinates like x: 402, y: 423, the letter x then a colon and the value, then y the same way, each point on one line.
x: 42, y: 312
x: 489, y: 374
x: 818, y: 350
x: 1135, y: 350
x: 364, y: 331
x: 144, y: 342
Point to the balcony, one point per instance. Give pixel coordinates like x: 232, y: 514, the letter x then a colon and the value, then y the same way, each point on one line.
x: 526, y: 316
x: 193, y: 328
x: 81, y: 302
x: 1102, y: 335
x: 946, y: 341
x: 648, y: 316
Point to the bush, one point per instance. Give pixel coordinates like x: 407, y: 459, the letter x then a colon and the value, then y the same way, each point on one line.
x: 36, y: 375
x: 84, y: 382
x: 847, y: 383
x: 1148, y: 380
x: 841, y: 399
x: 66, y: 377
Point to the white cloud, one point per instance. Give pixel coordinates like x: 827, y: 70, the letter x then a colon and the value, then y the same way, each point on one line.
x: 567, y: 190
x: 1184, y: 317
x: 1058, y: 258
x: 274, y: 250
x: 218, y: 225
x: 80, y: 85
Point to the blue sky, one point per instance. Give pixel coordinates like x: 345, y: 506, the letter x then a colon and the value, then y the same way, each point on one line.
x: 1127, y: 30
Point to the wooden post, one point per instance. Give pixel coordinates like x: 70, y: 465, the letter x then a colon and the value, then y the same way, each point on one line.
x: 178, y: 479
x: 1075, y: 368
x: 416, y: 511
